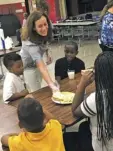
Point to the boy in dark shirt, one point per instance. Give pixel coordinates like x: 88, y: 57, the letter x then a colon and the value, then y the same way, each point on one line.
x: 69, y: 62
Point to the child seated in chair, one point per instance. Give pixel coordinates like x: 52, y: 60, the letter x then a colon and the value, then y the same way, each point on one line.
x: 69, y: 62
x: 13, y: 87
x: 40, y: 131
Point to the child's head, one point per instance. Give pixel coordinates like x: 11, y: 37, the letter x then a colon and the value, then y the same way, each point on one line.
x: 13, y: 63
x: 30, y: 114
x: 71, y: 50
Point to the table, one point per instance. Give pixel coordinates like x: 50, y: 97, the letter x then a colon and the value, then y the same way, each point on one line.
x: 79, y: 29
x: 3, y: 52
x: 84, y: 23
x: 62, y: 113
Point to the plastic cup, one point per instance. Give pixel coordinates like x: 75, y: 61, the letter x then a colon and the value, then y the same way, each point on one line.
x: 71, y: 75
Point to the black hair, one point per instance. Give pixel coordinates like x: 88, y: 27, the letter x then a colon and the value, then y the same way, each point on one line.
x: 71, y: 43
x: 30, y: 114
x: 104, y: 95
x: 30, y: 33
x: 10, y: 59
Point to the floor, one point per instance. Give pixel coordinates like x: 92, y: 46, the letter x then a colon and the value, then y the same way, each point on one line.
x: 87, y: 52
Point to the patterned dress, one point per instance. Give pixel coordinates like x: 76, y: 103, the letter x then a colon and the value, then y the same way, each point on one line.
x: 106, y: 35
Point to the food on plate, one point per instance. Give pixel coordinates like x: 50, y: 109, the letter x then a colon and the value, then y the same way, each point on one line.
x: 63, y: 97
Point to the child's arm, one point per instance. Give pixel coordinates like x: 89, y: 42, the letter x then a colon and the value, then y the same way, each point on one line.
x: 49, y: 116
x: 5, y: 138
x: 18, y: 95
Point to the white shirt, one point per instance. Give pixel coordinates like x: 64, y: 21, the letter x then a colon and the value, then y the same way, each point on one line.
x: 12, y: 84
x: 88, y: 107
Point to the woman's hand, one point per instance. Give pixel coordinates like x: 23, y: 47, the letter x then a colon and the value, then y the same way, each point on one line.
x: 54, y: 86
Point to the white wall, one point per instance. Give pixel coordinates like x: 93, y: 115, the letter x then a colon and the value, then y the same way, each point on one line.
x: 10, y: 1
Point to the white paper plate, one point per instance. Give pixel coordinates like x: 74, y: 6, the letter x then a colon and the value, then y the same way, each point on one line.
x: 60, y: 102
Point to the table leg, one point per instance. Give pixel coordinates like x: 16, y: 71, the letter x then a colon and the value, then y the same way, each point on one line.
x: 1, y: 76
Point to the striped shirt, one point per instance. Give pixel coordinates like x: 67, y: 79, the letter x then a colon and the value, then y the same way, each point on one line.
x: 88, y: 107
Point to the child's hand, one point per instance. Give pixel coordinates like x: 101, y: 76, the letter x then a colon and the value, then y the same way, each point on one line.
x: 87, y: 78
x: 29, y: 96
x: 48, y: 116
x: 24, y: 92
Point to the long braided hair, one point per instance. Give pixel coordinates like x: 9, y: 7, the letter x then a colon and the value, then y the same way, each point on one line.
x: 104, y: 95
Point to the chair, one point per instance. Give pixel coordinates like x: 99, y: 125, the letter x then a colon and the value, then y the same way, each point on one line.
x: 57, y: 33
x: 88, y: 17
x: 78, y: 33
x: 67, y: 32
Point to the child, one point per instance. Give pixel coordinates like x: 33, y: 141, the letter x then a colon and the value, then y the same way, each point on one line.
x: 13, y: 85
x: 39, y: 132
x: 69, y: 62
x: 98, y: 106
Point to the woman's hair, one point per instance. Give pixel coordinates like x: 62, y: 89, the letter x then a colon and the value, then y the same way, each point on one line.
x: 29, y: 33
x: 104, y: 95
x: 105, y: 9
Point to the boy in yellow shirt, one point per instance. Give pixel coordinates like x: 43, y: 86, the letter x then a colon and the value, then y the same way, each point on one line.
x: 40, y: 132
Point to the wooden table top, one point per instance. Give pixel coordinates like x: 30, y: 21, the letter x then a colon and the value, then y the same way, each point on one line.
x: 3, y: 52
x: 84, y: 23
x: 62, y: 113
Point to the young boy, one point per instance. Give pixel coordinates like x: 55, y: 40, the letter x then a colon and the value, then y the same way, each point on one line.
x: 13, y: 87
x: 40, y: 132
x: 69, y: 62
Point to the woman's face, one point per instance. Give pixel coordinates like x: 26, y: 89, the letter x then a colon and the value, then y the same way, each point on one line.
x: 41, y: 26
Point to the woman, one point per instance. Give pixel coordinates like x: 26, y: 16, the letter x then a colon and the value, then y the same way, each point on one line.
x: 99, y: 105
x: 34, y: 38
x: 106, y: 32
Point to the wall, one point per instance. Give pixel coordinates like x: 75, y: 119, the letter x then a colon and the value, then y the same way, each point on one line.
x: 10, y: 1
x: 72, y: 7
x: 99, y: 4
x: 15, y: 8
x: 52, y: 10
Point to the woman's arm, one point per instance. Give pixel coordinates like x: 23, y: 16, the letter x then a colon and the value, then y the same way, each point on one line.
x: 45, y: 74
